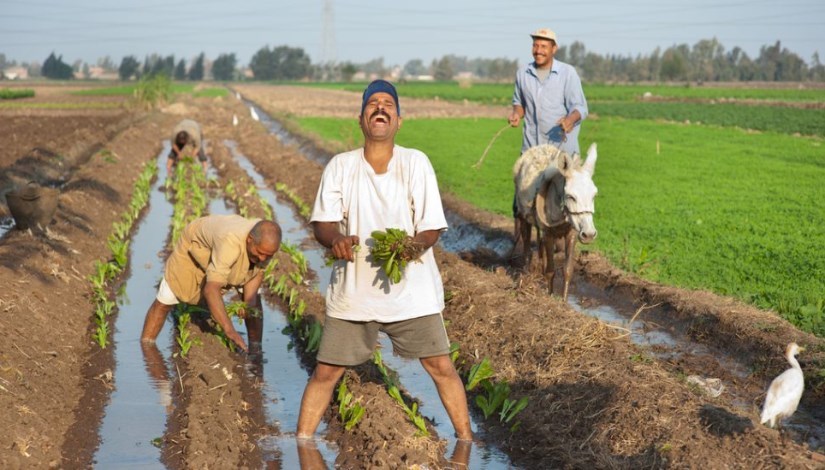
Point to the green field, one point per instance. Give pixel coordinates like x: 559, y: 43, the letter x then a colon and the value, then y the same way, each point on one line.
x: 15, y: 93
x: 717, y: 208
x: 129, y: 90
x: 501, y: 93
x: 57, y: 105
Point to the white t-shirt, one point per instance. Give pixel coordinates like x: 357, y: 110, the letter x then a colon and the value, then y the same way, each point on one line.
x: 405, y: 197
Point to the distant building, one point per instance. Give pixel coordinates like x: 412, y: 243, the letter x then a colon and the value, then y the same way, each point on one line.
x: 16, y: 73
x: 99, y: 73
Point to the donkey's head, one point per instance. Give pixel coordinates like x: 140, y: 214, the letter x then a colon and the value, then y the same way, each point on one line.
x: 579, y: 193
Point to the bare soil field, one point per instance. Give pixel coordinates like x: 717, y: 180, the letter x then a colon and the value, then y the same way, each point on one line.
x: 596, y: 400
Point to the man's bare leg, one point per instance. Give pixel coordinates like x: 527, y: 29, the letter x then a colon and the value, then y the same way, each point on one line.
x: 153, y: 323
x: 317, y: 396
x: 451, y: 390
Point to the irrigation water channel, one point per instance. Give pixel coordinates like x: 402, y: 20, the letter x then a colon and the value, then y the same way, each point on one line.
x: 140, y: 404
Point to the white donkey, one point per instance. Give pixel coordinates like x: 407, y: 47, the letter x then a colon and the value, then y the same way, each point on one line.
x: 555, y: 193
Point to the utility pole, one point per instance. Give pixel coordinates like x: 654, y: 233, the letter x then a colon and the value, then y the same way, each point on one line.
x: 328, y: 36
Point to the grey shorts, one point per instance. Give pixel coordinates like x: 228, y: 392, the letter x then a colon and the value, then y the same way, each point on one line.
x: 349, y: 343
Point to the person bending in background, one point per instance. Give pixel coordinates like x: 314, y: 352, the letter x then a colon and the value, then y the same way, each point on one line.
x: 548, y: 96
x: 187, y: 141
x: 376, y: 187
x: 215, y: 252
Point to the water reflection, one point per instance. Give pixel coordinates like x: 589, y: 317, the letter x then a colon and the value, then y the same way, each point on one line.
x: 295, y: 453
x: 158, y: 372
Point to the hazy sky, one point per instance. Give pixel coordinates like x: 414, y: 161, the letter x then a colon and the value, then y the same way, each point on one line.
x: 361, y: 30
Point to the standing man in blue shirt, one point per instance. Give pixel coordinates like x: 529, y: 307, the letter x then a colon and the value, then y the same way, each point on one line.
x: 548, y: 95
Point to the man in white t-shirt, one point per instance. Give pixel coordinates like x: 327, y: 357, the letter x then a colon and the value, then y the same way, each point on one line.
x: 377, y: 187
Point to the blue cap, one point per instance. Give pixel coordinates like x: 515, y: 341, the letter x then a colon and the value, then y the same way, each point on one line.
x: 380, y: 86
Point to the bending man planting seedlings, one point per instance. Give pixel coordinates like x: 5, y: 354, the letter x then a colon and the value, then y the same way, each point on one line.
x: 213, y: 253
x: 387, y: 197
x: 187, y: 134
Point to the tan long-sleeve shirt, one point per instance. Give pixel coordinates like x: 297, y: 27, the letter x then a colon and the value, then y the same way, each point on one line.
x: 210, y: 249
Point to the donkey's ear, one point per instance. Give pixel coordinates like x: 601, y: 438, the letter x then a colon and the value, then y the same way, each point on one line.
x: 566, y: 164
x: 590, y: 164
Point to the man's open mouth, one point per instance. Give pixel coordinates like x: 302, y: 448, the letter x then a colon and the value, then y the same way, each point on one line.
x: 380, y: 117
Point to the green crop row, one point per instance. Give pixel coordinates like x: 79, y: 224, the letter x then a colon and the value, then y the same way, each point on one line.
x: 118, y: 242
x: 15, y: 93
x: 46, y: 105
x: 502, y: 93
x: 785, y: 120
x: 187, y: 188
x: 174, y: 88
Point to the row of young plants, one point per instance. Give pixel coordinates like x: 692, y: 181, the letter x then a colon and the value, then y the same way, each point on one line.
x: 495, y: 398
x: 15, y: 93
x: 107, y: 271
x: 245, y: 209
x: 286, y: 288
x: 186, y: 188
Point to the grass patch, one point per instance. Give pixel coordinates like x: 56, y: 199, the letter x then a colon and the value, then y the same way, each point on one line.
x: 15, y: 93
x: 86, y: 105
x: 763, y: 118
x: 502, y: 93
x: 211, y: 92
x: 176, y: 88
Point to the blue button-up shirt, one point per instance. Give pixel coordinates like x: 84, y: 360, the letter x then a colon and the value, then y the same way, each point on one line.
x: 546, y: 102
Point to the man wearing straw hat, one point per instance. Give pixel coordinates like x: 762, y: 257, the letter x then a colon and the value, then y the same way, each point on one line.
x: 548, y: 95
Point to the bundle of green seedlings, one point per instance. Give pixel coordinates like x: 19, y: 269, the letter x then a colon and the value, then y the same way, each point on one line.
x: 106, y: 271
x: 393, y: 249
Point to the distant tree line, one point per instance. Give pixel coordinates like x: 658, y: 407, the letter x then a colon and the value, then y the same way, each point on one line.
x: 707, y: 60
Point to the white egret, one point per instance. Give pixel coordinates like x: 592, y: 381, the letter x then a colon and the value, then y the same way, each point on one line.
x: 253, y: 113
x: 785, y: 390
x: 234, y: 119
